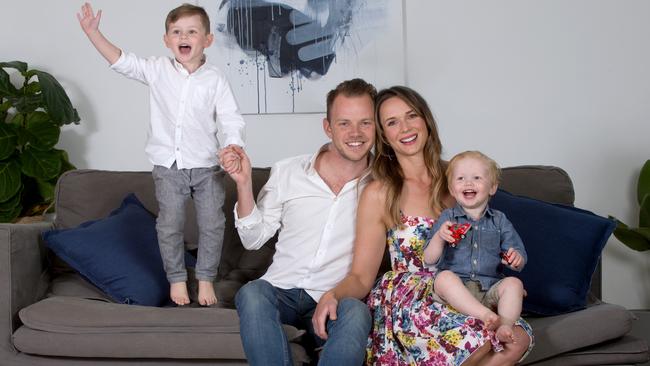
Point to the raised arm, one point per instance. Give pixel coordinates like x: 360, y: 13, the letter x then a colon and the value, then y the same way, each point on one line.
x: 369, y: 246
x: 90, y: 25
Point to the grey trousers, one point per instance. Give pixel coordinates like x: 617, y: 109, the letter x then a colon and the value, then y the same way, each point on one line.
x: 173, y: 188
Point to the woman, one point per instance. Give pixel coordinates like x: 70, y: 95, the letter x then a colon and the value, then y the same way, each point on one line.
x: 398, y: 208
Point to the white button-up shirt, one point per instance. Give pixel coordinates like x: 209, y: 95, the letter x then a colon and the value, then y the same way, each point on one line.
x: 187, y: 110
x: 315, y: 245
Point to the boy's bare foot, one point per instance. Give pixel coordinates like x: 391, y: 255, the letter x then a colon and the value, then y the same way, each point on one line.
x: 178, y: 293
x: 207, y: 297
x: 505, y: 334
x: 490, y: 320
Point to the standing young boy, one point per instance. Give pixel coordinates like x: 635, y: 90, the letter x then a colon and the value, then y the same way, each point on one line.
x: 188, y: 99
x: 479, y: 257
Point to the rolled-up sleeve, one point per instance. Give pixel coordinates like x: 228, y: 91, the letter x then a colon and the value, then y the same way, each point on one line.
x: 263, y: 222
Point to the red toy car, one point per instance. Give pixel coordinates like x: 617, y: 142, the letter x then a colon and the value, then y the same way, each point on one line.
x: 505, y: 257
x: 458, y: 231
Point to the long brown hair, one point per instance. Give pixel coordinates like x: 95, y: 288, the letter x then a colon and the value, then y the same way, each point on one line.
x: 387, y: 170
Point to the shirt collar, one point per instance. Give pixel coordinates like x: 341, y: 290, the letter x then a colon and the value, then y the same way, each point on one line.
x: 180, y: 68
x: 458, y: 211
x: 310, y: 169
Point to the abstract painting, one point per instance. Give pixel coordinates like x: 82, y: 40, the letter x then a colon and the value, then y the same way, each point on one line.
x: 284, y: 56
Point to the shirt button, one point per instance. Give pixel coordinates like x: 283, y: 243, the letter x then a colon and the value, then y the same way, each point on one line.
x: 474, y: 261
x: 475, y: 245
x: 178, y: 149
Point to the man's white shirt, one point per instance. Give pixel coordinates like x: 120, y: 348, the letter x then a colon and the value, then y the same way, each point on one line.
x: 317, y: 227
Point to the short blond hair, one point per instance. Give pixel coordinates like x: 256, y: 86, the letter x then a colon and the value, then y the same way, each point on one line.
x: 494, y: 171
x: 188, y: 10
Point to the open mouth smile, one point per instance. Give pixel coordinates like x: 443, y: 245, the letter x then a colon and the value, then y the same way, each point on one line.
x: 469, y: 193
x: 409, y: 140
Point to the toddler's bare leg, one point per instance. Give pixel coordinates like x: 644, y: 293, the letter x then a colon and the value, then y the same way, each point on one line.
x: 178, y: 293
x: 450, y: 288
x: 511, y: 294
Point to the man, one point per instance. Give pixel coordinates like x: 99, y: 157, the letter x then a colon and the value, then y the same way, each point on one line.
x: 313, y: 198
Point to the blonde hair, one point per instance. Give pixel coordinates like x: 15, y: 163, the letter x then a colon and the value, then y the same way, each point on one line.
x: 188, y: 10
x: 385, y: 167
x: 494, y: 172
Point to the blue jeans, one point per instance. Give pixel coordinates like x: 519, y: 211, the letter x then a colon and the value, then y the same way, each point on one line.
x: 263, y: 308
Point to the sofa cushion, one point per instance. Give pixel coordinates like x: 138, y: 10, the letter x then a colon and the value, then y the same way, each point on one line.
x: 74, y: 327
x: 558, y: 334
x: 564, y: 245
x: 119, y: 254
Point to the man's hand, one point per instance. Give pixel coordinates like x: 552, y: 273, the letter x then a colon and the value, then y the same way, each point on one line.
x: 326, y: 308
x: 87, y: 19
x: 236, y: 163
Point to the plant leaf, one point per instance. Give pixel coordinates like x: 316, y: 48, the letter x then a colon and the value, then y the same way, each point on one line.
x: 56, y: 101
x: 40, y: 164
x: 4, y: 107
x: 43, y: 133
x: 12, y: 202
x: 644, y: 212
x: 11, y: 215
x: 18, y: 65
x: 46, y: 189
x: 631, y: 238
x: 10, y: 181
x: 65, y: 162
x: 6, y: 87
x: 26, y: 103
x: 643, y: 187
x: 8, y: 140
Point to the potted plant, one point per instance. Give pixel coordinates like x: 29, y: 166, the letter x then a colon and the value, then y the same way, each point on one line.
x: 638, y: 238
x: 31, y: 116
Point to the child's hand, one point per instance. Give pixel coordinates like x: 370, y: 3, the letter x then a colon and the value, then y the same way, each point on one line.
x: 229, y: 160
x: 87, y: 19
x: 445, y: 232
x: 513, y: 259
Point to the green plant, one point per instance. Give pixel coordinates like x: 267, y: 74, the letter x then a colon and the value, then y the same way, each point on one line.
x: 638, y: 238
x: 31, y: 117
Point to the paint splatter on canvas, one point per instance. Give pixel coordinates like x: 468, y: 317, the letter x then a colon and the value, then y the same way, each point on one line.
x: 283, y: 56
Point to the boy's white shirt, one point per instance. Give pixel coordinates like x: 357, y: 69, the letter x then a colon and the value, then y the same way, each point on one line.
x: 187, y: 110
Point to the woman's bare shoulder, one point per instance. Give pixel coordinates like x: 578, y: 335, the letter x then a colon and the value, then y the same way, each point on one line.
x: 375, y: 190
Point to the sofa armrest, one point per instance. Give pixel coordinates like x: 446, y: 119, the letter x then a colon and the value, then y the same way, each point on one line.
x: 23, y: 273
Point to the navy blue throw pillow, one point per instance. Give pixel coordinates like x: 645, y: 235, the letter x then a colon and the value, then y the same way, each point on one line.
x: 119, y: 254
x: 564, y: 245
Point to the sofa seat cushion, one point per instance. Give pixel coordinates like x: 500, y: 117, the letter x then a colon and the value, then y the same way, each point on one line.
x: 626, y: 350
x: 76, y: 327
x: 559, y: 334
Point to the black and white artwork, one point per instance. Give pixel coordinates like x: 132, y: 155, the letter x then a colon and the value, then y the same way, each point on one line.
x: 284, y: 56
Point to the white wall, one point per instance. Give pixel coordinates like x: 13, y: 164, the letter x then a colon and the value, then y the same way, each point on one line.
x: 552, y: 82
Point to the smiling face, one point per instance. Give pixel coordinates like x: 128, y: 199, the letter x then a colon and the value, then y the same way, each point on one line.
x: 403, y: 128
x: 187, y: 38
x: 351, y: 126
x: 471, y: 183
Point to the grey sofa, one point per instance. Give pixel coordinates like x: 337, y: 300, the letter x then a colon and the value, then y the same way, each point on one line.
x: 50, y: 316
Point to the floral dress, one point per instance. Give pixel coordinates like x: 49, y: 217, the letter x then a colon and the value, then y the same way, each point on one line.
x: 409, y: 327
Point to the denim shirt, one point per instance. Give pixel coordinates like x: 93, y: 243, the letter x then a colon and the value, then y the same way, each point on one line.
x: 477, y: 256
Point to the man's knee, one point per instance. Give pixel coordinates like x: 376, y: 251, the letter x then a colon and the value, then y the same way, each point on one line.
x: 354, y: 314
x: 253, y: 295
